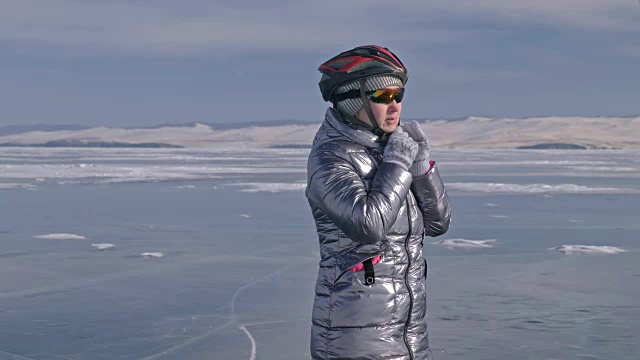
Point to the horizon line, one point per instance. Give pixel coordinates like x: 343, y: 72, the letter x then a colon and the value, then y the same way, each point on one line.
x: 276, y: 122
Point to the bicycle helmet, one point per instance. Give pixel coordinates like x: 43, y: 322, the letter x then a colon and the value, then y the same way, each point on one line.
x: 356, y: 64
x: 363, y: 68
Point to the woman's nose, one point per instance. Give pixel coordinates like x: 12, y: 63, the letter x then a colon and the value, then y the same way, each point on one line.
x: 393, y: 106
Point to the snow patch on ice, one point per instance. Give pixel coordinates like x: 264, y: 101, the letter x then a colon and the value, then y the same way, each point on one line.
x: 152, y: 254
x: 588, y: 249
x: 270, y: 187
x: 605, y: 168
x: 245, y: 216
x: 467, y: 244
x: 103, y: 246
x: 535, y: 188
x: 576, y: 221
x: 490, y: 204
x: 185, y: 187
x: 6, y: 186
x: 499, y: 216
x: 61, y: 236
x: 135, y: 172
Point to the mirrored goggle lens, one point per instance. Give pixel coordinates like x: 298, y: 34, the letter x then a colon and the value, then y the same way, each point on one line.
x: 386, y: 96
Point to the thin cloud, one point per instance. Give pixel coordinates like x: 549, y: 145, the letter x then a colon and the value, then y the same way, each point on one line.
x: 165, y: 27
x: 583, y: 14
x: 434, y: 70
x: 631, y: 50
x: 192, y: 26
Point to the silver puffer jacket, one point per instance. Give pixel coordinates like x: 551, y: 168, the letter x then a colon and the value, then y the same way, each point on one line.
x: 364, y: 208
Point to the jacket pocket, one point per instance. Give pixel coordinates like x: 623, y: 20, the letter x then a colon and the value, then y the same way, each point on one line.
x: 354, y: 303
x: 347, y: 263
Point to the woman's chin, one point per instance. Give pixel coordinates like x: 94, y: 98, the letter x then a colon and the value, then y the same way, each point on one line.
x: 389, y: 127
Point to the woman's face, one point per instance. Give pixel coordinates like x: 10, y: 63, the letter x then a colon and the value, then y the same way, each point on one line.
x: 387, y: 115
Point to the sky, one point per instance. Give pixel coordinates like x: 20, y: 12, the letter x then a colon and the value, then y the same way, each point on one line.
x: 149, y: 62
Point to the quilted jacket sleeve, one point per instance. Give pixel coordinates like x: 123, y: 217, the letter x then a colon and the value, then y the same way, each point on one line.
x: 431, y: 194
x: 336, y: 188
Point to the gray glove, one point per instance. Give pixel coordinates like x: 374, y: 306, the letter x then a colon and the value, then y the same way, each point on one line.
x: 400, y: 149
x: 420, y: 164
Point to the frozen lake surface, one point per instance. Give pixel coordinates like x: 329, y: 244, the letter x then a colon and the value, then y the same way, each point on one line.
x: 212, y: 254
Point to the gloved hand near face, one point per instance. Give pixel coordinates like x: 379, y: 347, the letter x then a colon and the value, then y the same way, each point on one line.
x: 401, y: 149
x: 420, y: 165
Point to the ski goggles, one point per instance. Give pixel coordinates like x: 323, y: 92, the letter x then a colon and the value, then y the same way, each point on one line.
x: 386, y: 96
x: 382, y: 96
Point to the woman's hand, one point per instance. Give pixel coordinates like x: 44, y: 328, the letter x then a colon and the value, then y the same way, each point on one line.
x: 421, y: 162
x: 401, y: 149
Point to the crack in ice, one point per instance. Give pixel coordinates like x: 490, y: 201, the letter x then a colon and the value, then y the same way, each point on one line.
x: 231, y: 321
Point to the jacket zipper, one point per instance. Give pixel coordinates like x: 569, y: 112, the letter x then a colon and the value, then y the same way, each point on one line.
x: 379, y: 157
x: 406, y: 282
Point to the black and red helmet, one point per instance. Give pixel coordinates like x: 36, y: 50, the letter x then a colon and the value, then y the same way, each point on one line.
x: 358, y: 63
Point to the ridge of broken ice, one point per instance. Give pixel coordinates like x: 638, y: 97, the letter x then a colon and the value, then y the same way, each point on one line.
x: 60, y: 236
x: 467, y: 244
x: 534, y: 188
x: 152, y: 254
x: 103, y: 246
x: 588, y: 249
x: 270, y: 187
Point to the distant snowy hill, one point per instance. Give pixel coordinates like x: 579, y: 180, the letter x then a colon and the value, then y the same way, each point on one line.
x: 19, y: 129
x: 472, y: 132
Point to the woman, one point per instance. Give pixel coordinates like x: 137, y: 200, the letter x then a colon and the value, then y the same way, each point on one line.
x: 374, y: 195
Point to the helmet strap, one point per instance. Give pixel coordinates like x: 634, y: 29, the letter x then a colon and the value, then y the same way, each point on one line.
x: 367, y: 107
x: 358, y: 124
x: 355, y: 123
x: 352, y: 121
